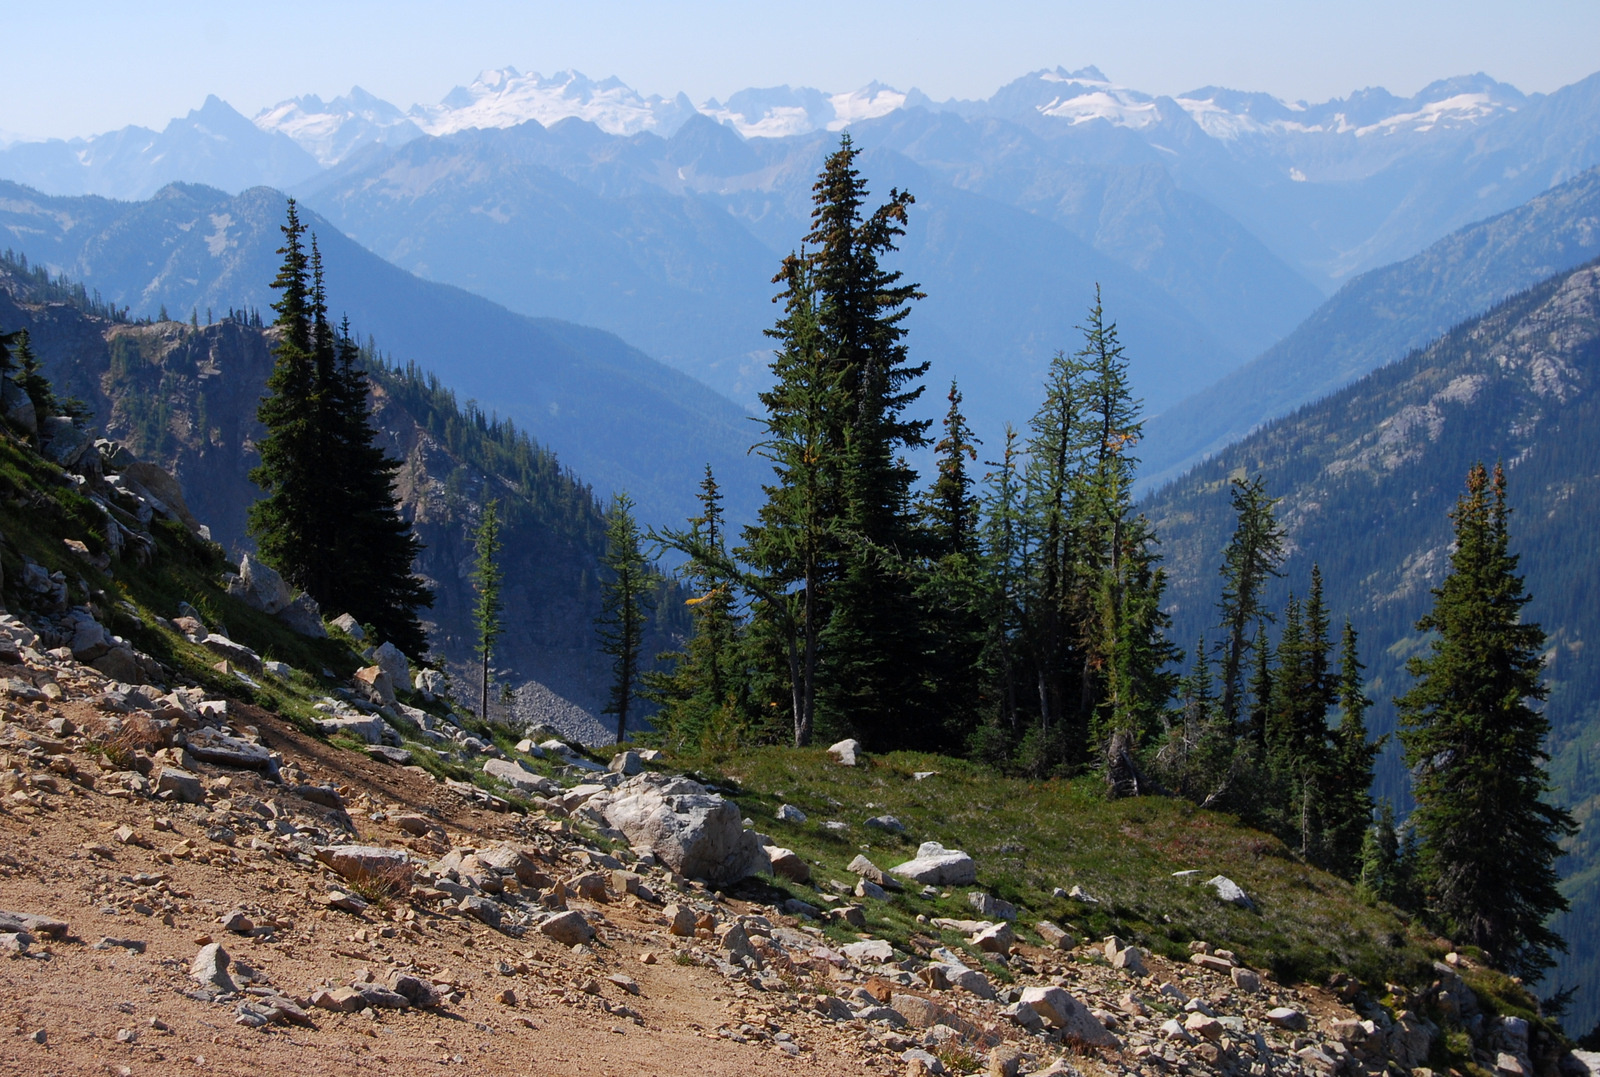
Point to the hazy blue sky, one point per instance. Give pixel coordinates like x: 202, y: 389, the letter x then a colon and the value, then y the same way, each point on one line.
x: 89, y: 66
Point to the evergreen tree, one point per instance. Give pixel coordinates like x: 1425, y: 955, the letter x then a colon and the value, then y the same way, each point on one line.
x: 707, y: 677
x: 1124, y: 629
x: 288, y: 522
x: 625, y: 602
x: 953, y: 591
x: 328, y: 519
x: 1475, y: 743
x: 487, y: 577
x: 794, y: 545
x: 1252, y: 555
x: 950, y: 509
x: 30, y: 379
x: 377, y: 548
x: 1349, y: 796
x: 874, y: 646
x: 1002, y: 553
x: 1261, y: 690
x: 1052, y: 588
x: 1382, y: 865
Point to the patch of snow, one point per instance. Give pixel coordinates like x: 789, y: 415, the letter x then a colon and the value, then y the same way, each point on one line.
x: 1117, y: 107
x: 1459, y: 110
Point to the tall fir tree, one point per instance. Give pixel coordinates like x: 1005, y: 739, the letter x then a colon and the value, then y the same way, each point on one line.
x: 375, y: 580
x: 875, y: 645
x: 626, y: 597
x: 1002, y: 556
x: 1052, y: 587
x: 793, y: 547
x: 289, y: 521
x: 487, y: 578
x: 1475, y: 742
x: 328, y: 519
x: 1124, y: 642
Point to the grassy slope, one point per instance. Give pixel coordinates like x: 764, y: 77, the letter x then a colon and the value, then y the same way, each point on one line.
x: 1031, y: 837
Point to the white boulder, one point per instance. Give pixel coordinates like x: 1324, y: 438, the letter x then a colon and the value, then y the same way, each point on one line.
x: 390, y: 659
x: 935, y: 865
x: 691, y: 830
x: 1061, y: 1010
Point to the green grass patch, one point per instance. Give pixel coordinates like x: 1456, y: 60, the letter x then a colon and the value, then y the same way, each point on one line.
x: 1030, y: 837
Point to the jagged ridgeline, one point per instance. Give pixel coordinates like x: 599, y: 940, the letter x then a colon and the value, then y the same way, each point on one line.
x: 1368, y: 475
x: 184, y: 396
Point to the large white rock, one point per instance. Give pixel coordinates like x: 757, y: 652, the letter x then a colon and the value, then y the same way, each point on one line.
x: 520, y: 778
x: 937, y: 866
x: 1061, y: 1010
x: 1230, y: 891
x: 691, y: 830
x: 261, y: 587
x: 392, y: 662
x: 845, y: 752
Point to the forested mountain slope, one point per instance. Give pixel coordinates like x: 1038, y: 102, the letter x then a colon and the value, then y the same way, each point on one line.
x: 621, y: 419
x: 1379, y: 316
x: 1367, y: 477
x: 185, y: 397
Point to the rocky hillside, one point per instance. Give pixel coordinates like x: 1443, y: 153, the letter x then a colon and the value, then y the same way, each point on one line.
x: 264, y: 861
x: 185, y: 397
x: 1368, y: 476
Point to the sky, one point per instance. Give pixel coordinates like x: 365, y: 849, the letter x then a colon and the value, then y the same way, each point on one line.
x: 92, y: 66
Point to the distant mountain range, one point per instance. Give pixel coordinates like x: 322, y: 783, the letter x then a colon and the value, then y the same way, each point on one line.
x: 1215, y: 220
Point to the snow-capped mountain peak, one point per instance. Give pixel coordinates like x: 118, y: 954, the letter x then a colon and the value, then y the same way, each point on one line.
x: 505, y: 97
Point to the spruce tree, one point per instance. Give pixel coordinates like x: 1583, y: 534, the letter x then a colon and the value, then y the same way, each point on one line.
x: 1124, y: 628
x: 794, y: 545
x: 1382, y: 875
x: 626, y: 598
x: 1475, y: 743
x: 1001, y: 543
x: 374, y: 580
x: 487, y: 577
x: 1053, y: 588
x: 328, y: 519
x: 30, y: 379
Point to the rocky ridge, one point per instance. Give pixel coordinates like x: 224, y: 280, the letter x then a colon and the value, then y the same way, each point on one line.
x: 254, y: 878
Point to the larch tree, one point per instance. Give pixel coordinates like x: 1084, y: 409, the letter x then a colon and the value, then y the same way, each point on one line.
x: 1251, y: 557
x: 1475, y: 742
x: 487, y: 578
x: 626, y: 597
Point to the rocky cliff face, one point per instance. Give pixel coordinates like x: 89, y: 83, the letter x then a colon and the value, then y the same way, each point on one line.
x: 185, y: 398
